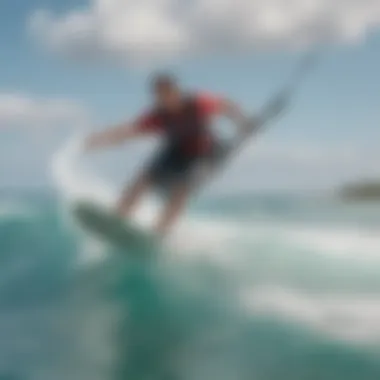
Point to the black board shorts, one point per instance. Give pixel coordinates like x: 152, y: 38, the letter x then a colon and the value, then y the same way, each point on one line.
x: 171, y: 166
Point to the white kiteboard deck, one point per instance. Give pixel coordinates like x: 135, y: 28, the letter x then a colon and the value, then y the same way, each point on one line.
x: 108, y: 226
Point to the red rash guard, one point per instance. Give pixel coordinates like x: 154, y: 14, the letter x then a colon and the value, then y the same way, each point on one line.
x: 207, y: 107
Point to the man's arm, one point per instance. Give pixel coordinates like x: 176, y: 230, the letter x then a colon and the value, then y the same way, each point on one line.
x: 232, y: 111
x: 144, y: 125
x: 114, y: 136
x: 216, y: 105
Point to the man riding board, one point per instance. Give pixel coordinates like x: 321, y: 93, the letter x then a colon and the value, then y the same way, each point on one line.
x: 184, y: 123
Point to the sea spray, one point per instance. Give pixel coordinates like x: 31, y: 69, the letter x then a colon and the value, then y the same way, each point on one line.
x: 73, y: 181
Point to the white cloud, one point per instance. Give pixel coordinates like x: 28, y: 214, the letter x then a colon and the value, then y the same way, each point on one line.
x: 135, y: 30
x: 23, y: 111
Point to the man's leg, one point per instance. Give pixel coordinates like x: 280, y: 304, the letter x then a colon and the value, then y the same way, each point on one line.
x: 132, y: 195
x: 173, y: 209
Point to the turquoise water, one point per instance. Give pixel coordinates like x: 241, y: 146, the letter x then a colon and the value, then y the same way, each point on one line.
x: 254, y: 287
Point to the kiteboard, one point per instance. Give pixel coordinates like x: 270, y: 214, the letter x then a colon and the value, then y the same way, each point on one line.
x: 107, y: 226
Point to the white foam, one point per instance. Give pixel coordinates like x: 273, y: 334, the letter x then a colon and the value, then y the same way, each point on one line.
x: 325, y: 240
x: 354, y: 317
x: 216, y: 238
x: 197, y: 237
x: 338, y: 241
x: 73, y: 181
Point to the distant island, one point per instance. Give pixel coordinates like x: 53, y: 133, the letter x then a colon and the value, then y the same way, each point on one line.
x: 361, y: 191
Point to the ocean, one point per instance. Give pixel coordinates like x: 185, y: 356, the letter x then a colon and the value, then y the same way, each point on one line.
x: 264, y: 287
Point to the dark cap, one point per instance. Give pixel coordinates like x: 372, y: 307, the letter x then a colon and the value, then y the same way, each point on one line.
x: 163, y: 81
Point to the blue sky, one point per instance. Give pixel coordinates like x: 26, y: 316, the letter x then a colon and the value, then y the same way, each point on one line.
x: 66, y: 65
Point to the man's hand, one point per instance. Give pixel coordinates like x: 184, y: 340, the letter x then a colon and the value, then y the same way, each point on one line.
x: 233, y: 112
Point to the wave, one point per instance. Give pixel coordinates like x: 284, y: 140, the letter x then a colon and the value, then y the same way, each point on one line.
x: 229, y: 299
x: 320, y: 276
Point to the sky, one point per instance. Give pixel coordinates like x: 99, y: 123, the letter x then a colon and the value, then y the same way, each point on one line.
x: 81, y: 65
